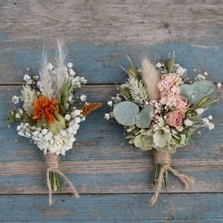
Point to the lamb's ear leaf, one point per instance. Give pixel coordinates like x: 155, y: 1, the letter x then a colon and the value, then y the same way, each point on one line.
x: 197, y: 91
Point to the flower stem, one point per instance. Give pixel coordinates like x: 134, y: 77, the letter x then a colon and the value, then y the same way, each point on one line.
x: 55, y: 181
x: 156, y: 173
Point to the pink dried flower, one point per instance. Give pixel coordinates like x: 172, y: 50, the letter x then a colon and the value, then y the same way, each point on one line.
x: 175, y: 118
x: 182, y: 104
x: 168, y: 81
x: 170, y: 91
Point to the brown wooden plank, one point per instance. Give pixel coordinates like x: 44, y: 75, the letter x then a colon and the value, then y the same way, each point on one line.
x: 112, y: 21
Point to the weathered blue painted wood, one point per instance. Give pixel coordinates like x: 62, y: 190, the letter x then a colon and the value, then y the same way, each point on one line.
x: 174, y: 208
x: 99, y: 35
x: 106, y: 137
x: 102, y: 161
x: 101, y: 63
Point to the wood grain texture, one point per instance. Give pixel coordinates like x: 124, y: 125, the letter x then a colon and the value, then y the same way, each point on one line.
x: 112, y: 176
x: 99, y: 34
x: 101, y: 63
x: 102, y: 160
x: 112, y: 21
x: 174, y: 208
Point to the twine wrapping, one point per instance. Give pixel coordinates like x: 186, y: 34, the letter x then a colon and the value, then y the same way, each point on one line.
x: 52, y: 161
x: 164, y: 159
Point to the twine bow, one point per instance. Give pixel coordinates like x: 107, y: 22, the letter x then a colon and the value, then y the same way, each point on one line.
x: 52, y: 161
x: 164, y: 158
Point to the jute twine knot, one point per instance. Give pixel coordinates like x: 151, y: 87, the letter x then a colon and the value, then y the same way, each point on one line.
x: 164, y: 158
x: 52, y: 161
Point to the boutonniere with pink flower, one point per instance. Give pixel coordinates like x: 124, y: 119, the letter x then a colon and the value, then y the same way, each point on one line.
x: 49, y: 113
x: 161, y: 107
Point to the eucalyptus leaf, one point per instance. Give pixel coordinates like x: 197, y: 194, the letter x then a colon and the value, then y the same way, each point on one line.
x: 125, y: 113
x: 143, y: 119
x: 197, y: 91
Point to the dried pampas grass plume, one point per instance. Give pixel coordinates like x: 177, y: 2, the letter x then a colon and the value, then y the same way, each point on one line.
x: 151, y: 78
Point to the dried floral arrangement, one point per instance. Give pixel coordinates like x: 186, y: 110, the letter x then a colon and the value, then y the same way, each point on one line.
x: 50, y: 112
x: 160, y: 108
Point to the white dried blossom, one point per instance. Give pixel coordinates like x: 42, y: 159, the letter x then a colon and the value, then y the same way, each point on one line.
x: 17, y: 115
x: 69, y: 65
x: 67, y: 117
x: 205, y: 121
x: 110, y: 103
x: 70, y: 98
x: 71, y: 72
x: 205, y: 73
x: 75, y: 113
x: 218, y: 85
x: 181, y: 71
x: 83, y: 80
x: 200, y: 77
x: 26, y: 78
x: 107, y: 116
x: 83, y: 97
x: 15, y: 99
x: 36, y: 77
x: 199, y: 111
x: 188, y: 122
x: 49, y: 66
x: 210, y: 117
x: 210, y: 125
x: 158, y: 65
x: 20, y: 111
x: 47, y: 141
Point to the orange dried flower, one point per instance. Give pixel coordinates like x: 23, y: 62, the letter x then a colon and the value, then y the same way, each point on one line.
x: 86, y: 109
x: 44, y: 107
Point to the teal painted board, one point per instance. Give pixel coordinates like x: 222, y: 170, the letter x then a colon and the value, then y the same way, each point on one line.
x: 99, y: 177
x: 98, y: 133
x: 102, y: 161
x: 112, y: 177
x: 101, y: 63
x: 132, y: 208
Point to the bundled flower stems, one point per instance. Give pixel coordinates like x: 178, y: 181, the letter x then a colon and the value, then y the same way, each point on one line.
x: 50, y: 114
x: 161, y: 107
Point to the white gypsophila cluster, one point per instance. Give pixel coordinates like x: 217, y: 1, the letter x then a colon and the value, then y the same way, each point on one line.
x: 27, y: 78
x: 15, y: 99
x: 137, y: 90
x: 28, y: 96
x: 78, y: 81
x: 207, y: 123
x: 180, y: 71
x: 47, y: 141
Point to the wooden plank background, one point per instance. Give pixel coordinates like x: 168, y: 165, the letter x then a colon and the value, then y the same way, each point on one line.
x: 112, y: 177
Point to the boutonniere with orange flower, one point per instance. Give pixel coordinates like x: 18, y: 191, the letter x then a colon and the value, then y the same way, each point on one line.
x: 161, y: 107
x: 50, y: 112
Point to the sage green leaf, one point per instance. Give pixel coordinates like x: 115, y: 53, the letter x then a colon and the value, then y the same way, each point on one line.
x: 143, y: 119
x: 125, y: 92
x: 125, y: 113
x: 197, y: 91
x: 57, y: 125
x: 183, y: 139
x: 143, y: 142
x: 169, y: 64
x: 161, y: 138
